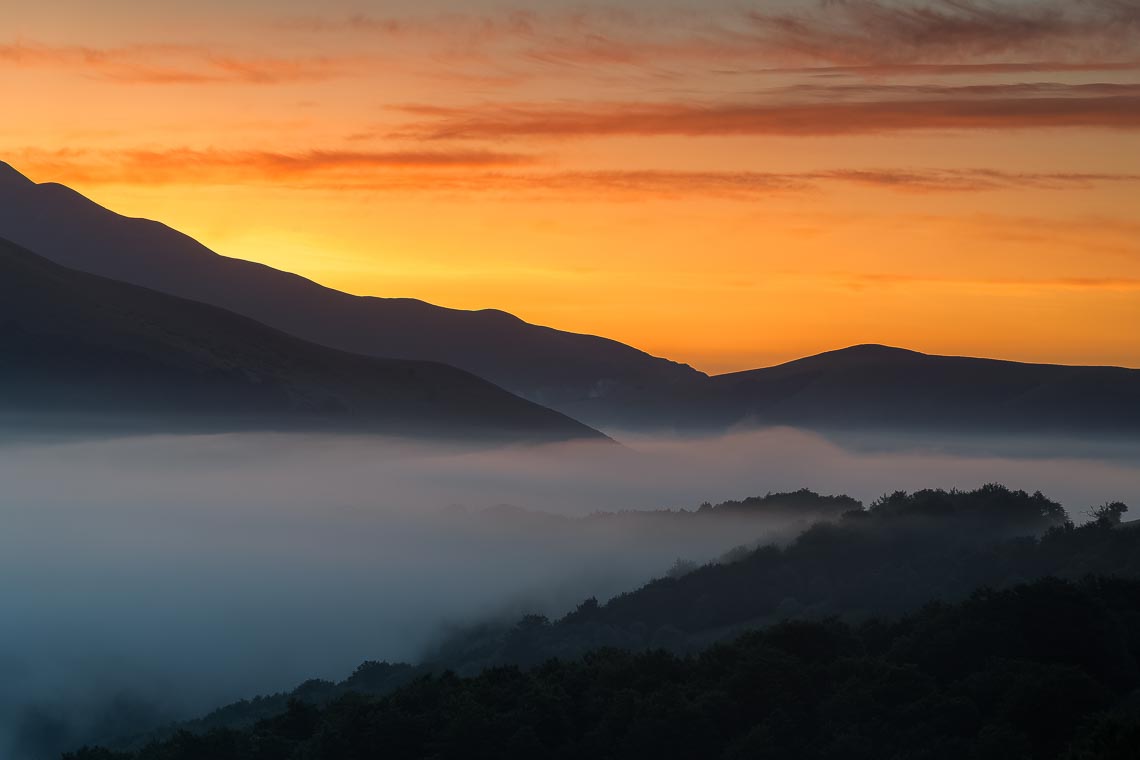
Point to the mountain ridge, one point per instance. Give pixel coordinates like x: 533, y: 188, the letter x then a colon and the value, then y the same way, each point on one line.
x: 77, y: 346
x: 543, y: 364
x: 870, y: 351
x: 589, y: 378
x: 883, y: 387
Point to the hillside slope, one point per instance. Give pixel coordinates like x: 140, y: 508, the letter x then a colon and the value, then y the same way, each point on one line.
x: 76, y: 347
x: 555, y: 368
x: 878, y: 387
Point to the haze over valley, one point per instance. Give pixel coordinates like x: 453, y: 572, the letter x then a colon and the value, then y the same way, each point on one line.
x: 264, y: 560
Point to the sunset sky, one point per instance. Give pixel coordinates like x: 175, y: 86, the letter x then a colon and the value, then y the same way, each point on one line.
x: 729, y: 184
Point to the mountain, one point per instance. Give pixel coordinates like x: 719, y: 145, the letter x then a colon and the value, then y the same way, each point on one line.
x: 1044, y: 670
x: 81, y: 350
x: 904, y: 551
x: 599, y: 381
x: 579, y: 374
x: 879, y: 387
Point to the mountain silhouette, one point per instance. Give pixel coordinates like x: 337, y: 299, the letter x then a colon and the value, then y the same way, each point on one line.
x: 86, y: 351
x: 559, y: 369
x: 597, y: 380
x: 880, y: 387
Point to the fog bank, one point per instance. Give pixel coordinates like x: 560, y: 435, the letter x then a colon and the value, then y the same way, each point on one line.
x: 184, y: 572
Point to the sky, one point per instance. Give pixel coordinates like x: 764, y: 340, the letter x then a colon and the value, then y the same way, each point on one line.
x: 729, y: 184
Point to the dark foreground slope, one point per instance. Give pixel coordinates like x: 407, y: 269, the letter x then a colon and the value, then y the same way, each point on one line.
x: 1041, y: 671
x: 878, y: 387
x: 76, y: 349
x: 907, y: 551
x: 554, y: 368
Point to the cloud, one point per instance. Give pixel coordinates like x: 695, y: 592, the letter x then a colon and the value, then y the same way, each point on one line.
x: 511, y: 174
x: 1039, y: 35
x: 865, y: 38
x: 864, y: 32
x: 972, y: 180
x: 878, y: 70
x: 173, y: 64
x: 860, y: 281
x: 186, y: 165
x: 748, y: 185
x: 889, y: 110
x: 633, y: 184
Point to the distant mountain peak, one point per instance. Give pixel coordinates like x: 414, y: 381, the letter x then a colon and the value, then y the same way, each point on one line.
x: 873, y: 350
x: 876, y: 387
x: 859, y: 354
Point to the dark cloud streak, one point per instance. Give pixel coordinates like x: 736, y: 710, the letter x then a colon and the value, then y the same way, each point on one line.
x: 179, y: 165
x: 870, y: 32
x: 865, y: 37
x: 160, y: 64
x: 479, y: 171
x: 997, y: 108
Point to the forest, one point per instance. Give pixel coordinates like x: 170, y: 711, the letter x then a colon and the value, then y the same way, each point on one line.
x: 934, y: 624
x: 1046, y: 670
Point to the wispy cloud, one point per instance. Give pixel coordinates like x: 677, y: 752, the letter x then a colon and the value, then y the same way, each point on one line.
x: 861, y: 281
x: 510, y: 174
x: 972, y: 180
x: 744, y: 185
x: 996, y: 107
x: 1035, y: 34
x: 881, y: 70
x: 185, y: 165
x: 173, y: 64
x: 862, y: 32
x: 852, y: 37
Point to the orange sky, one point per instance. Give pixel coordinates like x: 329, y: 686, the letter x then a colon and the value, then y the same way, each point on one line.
x: 728, y: 185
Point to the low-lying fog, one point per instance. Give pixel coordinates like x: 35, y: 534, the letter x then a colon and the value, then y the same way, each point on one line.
x: 191, y: 571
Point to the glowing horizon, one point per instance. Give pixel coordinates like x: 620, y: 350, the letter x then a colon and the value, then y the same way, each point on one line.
x: 727, y: 187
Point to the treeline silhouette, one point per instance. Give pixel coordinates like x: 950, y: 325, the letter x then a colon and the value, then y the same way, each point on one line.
x: 801, y: 502
x: 650, y: 672
x: 126, y: 724
x: 1048, y: 670
x: 905, y: 550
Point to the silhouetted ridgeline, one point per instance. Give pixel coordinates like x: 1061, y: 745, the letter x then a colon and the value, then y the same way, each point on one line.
x: 1041, y: 671
x: 549, y: 366
x: 906, y: 550
x: 882, y: 388
x: 78, y: 350
x: 801, y: 502
x: 777, y: 516
x: 599, y: 381
x: 1025, y: 671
